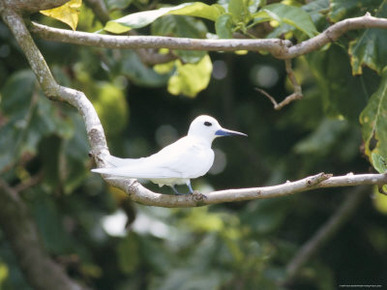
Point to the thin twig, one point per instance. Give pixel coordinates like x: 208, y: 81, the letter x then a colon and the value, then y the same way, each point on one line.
x: 296, y: 95
x: 30, y: 182
x: 326, y: 232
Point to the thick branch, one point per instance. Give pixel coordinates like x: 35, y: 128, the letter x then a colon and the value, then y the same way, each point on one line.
x: 32, y: 6
x: 140, y: 194
x: 327, y: 231
x: 282, y: 49
x: 16, y: 223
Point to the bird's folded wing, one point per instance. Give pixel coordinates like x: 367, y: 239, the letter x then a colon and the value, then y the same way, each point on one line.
x: 118, y: 162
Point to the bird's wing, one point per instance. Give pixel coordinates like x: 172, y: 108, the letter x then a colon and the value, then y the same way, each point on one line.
x: 117, y: 162
x: 185, y: 158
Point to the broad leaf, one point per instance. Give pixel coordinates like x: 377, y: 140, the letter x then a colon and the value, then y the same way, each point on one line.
x: 189, y: 79
x: 135, y: 70
x: 291, y: 15
x: 223, y: 26
x: 118, y: 4
x: 178, y: 26
x: 374, y: 126
x: 141, y: 19
x: 370, y: 48
x: 238, y: 10
x: 340, y: 9
x: 333, y: 75
x: 67, y: 13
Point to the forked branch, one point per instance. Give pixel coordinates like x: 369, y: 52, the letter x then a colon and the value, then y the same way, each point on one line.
x: 297, y: 90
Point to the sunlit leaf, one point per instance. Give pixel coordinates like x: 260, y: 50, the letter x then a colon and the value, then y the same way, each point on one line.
x: 141, y: 19
x: 380, y: 201
x: 291, y: 15
x: 111, y: 107
x: 374, y: 125
x: 238, y: 10
x: 189, y: 79
x: 67, y: 13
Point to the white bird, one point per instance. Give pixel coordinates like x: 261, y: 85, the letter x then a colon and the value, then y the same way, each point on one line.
x: 187, y: 158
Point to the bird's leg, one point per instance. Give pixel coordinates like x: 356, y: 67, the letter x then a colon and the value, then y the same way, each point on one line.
x: 190, y: 187
x: 176, y: 191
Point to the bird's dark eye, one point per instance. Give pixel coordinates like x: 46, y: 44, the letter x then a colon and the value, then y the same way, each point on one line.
x: 208, y: 124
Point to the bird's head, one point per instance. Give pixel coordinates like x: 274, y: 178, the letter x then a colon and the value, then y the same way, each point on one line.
x: 209, y: 128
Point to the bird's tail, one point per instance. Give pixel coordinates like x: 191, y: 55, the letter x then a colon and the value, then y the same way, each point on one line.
x: 112, y: 162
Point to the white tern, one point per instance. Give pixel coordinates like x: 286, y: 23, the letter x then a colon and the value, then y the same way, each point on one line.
x: 189, y: 157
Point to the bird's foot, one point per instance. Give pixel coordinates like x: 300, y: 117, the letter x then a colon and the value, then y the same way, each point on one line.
x: 198, y: 196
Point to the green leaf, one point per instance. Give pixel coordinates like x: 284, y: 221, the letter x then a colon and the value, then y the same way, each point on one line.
x: 323, y: 138
x: 253, y: 5
x: 111, y: 108
x: 379, y: 162
x: 118, y: 4
x: 134, y: 69
x: 317, y: 11
x: 17, y: 92
x: 141, y: 19
x: 179, y: 26
x: 31, y: 117
x: 374, y: 125
x: 370, y: 48
x: 223, y: 26
x: 340, y: 9
x: 343, y: 95
x: 189, y: 79
x: 294, y: 16
x: 238, y: 10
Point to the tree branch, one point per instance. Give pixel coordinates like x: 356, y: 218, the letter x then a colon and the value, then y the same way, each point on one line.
x: 296, y: 95
x: 282, y: 49
x: 142, y: 195
x: 32, y: 6
x: 96, y: 134
x: 326, y: 232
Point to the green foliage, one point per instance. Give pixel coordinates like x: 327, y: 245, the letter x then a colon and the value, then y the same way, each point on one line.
x: 141, y: 19
x: 374, y: 126
x: 189, y: 79
x: 333, y: 73
x: 291, y: 15
x: 370, y: 49
x: 44, y: 149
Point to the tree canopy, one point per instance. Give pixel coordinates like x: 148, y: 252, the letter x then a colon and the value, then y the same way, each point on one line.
x: 306, y: 80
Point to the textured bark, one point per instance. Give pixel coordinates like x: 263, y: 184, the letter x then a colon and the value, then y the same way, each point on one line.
x: 32, y: 6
